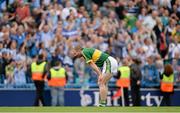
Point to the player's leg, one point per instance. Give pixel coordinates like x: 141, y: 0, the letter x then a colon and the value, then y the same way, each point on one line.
x: 109, y: 69
x: 103, y: 87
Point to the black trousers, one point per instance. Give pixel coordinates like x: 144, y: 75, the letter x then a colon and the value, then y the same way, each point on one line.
x: 39, y: 93
x: 166, y: 99
x: 126, y: 97
x: 135, y: 94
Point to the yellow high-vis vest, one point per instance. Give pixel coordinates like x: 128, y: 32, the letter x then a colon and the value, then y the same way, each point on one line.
x: 124, y: 80
x: 58, y: 77
x: 167, y: 83
x: 37, y: 71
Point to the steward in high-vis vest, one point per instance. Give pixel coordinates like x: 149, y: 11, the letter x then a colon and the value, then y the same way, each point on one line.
x: 38, y: 72
x: 58, y: 77
x: 167, y: 84
x: 57, y: 80
x: 124, y: 79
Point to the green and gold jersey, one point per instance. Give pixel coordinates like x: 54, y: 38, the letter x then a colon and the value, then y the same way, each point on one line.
x: 97, y: 56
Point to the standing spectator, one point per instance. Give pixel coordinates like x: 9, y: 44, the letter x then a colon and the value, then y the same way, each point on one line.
x: 38, y: 72
x: 150, y: 73
x: 135, y: 78
x: 10, y: 72
x: 67, y: 9
x: 57, y: 80
x: 149, y: 20
x: 159, y: 64
x: 142, y: 14
x: 2, y: 76
x: 70, y: 26
x: 22, y: 11
x: 167, y: 84
x: 20, y: 36
x: 46, y: 33
x: 13, y: 48
x: 79, y: 67
x: 19, y: 73
x: 161, y: 39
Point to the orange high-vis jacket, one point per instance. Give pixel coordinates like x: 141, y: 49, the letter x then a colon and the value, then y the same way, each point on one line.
x: 58, y: 77
x: 37, y: 71
x: 124, y: 80
x: 167, y: 83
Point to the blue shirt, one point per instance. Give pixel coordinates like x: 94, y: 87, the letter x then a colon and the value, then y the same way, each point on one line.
x: 19, y: 38
x: 36, y: 3
x: 150, y: 71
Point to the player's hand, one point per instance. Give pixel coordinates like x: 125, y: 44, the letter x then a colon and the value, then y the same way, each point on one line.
x: 100, y: 78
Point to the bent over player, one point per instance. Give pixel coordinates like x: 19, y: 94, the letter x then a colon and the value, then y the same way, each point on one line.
x: 97, y: 59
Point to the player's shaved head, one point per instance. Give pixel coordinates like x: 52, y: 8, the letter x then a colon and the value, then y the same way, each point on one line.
x: 76, y: 51
x: 78, y: 48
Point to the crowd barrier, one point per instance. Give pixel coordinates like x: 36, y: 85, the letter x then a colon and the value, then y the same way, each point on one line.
x: 81, y: 97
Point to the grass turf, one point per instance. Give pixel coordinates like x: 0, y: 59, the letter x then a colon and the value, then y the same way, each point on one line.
x: 90, y: 109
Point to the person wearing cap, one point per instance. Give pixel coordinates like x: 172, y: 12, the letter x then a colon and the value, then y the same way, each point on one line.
x: 38, y: 72
x: 57, y: 79
x: 135, y: 78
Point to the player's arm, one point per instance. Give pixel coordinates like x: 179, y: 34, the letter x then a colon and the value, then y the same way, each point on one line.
x: 95, y: 68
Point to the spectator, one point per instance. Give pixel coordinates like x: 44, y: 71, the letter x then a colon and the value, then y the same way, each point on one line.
x: 10, y: 73
x: 19, y: 73
x: 46, y: 33
x: 150, y: 77
x: 135, y: 77
x: 161, y: 39
x: 22, y: 11
x: 79, y: 67
x: 67, y: 9
x: 123, y: 28
x: 149, y: 20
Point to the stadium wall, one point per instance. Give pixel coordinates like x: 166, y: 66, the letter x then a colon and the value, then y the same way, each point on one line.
x: 79, y: 97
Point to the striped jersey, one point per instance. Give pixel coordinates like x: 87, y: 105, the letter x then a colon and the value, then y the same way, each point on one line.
x: 97, y: 56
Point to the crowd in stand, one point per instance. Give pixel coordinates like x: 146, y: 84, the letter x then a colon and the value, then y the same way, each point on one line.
x: 145, y: 29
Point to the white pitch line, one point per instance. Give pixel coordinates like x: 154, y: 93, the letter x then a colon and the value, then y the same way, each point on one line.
x: 90, y: 112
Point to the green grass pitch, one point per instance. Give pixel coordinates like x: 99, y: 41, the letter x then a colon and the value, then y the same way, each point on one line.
x: 89, y: 109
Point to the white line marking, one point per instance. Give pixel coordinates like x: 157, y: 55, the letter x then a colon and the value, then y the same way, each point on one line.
x: 90, y: 112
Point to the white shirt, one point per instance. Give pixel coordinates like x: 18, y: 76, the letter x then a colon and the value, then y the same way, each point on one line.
x: 66, y: 12
x: 47, y: 38
x: 174, y: 48
x: 149, y: 22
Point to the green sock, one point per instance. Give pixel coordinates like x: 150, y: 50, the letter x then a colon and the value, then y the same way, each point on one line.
x: 102, y: 103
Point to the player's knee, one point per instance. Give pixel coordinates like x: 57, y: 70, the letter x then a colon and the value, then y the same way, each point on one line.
x: 102, y: 85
